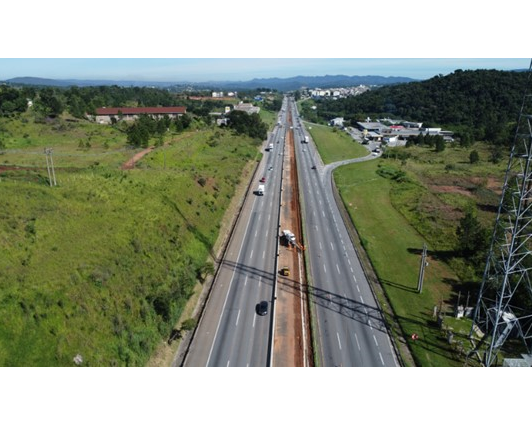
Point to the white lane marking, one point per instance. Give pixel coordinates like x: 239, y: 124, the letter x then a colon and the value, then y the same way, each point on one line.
x: 332, y: 247
x: 267, y: 232
x: 362, y: 300
x: 337, y: 268
x: 352, y: 270
x: 228, y: 361
x: 263, y: 253
x: 358, y: 344
x: 375, y: 339
x: 369, y: 323
x: 354, y: 278
x: 358, y: 288
x: 256, y: 232
x: 321, y: 248
x: 260, y: 281
x: 237, y: 317
x: 251, y: 254
x: 324, y: 268
x: 269, y: 217
x: 339, y: 344
x: 348, y: 261
x: 382, y: 361
x: 254, y: 317
x: 246, y: 281
x: 323, y: 213
x: 229, y: 289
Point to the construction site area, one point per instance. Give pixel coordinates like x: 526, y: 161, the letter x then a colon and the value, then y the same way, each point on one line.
x: 292, y: 338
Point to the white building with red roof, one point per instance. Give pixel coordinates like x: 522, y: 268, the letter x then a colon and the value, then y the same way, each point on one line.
x: 103, y: 115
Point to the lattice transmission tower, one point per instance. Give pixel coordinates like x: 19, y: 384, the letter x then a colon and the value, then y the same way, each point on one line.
x: 504, y: 308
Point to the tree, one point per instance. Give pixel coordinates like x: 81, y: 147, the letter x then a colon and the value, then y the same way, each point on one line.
x: 474, y: 157
x: 248, y: 124
x: 473, y: 239
x: 440, y: 143
x: 466, y: 140
x: 49, y: 102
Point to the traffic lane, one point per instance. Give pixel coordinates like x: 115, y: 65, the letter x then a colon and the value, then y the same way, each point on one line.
x: 239, y: 301
x: 237, y: 329
x: 351, y: 268
x: 227, y: 332
x: 348, y: 304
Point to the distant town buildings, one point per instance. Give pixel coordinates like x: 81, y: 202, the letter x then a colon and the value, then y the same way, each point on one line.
x: 338, y: 122
x: 336, y: 93
x: 246, y: 107
x: 397, y: 134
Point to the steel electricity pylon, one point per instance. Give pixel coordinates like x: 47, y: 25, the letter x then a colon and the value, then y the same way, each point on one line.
x: 504, y: 306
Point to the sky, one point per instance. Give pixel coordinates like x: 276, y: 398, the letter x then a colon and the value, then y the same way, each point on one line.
x: 242, y: 69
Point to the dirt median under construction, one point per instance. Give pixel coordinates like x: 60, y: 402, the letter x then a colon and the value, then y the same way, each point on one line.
x: 292, y: 346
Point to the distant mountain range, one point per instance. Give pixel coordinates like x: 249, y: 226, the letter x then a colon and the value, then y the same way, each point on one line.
x: 281, y: 84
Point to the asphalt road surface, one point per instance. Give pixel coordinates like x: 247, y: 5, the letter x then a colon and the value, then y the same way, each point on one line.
x: 351, y: 330
x: 231, y: 333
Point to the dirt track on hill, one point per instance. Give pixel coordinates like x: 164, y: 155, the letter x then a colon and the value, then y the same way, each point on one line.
x: 130, y: 164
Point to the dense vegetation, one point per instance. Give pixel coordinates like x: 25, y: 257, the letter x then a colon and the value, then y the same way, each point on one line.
x: 247, y: 124
x: 482, y: 102
x: 103, y: 264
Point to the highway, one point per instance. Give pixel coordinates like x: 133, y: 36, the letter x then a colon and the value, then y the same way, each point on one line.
x: 230, y: 333
x: 350, y: 328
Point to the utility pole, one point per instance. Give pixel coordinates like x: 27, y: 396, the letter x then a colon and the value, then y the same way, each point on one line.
x: 424, y: 263
x: 50, y: 166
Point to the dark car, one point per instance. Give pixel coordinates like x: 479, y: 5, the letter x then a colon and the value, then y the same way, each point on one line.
x: 313, y: 167
x: 262, y: 308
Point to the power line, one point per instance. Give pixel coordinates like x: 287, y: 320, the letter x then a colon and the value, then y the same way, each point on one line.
x: 503, y: 309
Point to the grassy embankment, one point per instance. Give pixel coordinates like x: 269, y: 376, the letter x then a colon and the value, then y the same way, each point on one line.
x: 335, y: 145
x: 103, y: 264
x: 394, y: 219
x: 269, y: 117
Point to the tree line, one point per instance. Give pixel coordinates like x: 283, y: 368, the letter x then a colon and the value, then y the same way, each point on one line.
x: 484, y: 102
x: 79, y: 101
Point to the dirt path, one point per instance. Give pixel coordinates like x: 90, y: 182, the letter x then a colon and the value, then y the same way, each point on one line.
x: 130, y: 164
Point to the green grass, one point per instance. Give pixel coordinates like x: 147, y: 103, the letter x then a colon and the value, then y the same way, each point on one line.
x: 393, y: 247
x: 103, y: 264
x: 335, y: 145
x: 269, y: 117
x: 396, y: 207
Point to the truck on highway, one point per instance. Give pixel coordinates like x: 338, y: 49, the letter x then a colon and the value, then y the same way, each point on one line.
x: 305, y: 140
x: 260, y: 190
x: 270, y: 147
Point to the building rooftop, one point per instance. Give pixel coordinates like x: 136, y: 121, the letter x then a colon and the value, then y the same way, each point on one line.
x: 142, y: 110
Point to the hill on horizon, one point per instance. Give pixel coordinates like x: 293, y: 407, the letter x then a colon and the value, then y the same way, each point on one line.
x: 281, y: 84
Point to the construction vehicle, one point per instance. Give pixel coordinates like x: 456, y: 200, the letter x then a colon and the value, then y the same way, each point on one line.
x: 289, y: 237
x: 285, y: 271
